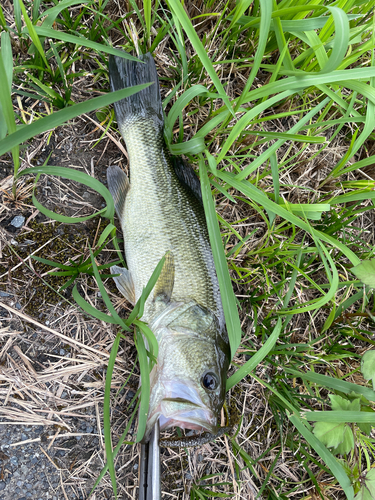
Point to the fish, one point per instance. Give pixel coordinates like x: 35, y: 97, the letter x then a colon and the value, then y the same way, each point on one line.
x: 161, y: 213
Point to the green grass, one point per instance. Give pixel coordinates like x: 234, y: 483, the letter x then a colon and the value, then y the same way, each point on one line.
x: 274, y: 106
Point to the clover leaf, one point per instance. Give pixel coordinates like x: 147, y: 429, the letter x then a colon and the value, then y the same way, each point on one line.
x: 368, y: 366
x: 365, y: 271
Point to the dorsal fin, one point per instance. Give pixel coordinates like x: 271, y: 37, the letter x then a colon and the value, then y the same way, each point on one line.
x: 118, y: 185
x: 165, y: 283
x: 187, y: 177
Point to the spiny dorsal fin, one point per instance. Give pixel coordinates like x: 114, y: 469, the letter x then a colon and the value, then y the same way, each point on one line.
x: 124, y: 283
x: 164, y: 285
x: 187, y: 177
x: 118, y: 185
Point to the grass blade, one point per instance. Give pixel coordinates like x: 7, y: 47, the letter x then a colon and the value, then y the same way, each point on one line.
x: 107, y: 413
x: 87, y: 180
x: 145, y: 386
x: 334, y: 383
x: 356, y: 417
x: 229, y: 301
x: 33, y: 34
x: 54, y: 120
x: 82, y: 42
x: 256, y: 359
x: 250, y: 191
x: 91, y: 309
x: 326, y: 455
x: 341, y: 40
x: 178, y: 9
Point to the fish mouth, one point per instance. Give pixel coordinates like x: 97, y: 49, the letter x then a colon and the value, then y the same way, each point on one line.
x: 180, y: 405
x: 179, y: 412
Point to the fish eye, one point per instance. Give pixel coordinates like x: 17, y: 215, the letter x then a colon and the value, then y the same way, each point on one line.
x: 210, y: 381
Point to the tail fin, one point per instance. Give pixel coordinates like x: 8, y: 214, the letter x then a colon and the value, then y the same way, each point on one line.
x: 147, y: 103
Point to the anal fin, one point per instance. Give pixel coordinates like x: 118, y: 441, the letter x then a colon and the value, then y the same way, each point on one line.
x: 124, y: 283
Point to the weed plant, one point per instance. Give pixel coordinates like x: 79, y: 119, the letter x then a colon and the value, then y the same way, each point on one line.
x: 273, y: 103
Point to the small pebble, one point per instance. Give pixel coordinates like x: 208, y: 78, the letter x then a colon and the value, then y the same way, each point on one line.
x: 5, y: 294
x: 18, y: 306
x: 18, y: 221
x: 62, y: 352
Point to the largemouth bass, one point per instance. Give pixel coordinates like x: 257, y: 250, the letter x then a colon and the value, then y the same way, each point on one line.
x: 161, y: 212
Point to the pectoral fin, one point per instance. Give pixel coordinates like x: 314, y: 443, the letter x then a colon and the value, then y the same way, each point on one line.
x: 165, y: 283
x: 118, y: 185
x: 124, y: 283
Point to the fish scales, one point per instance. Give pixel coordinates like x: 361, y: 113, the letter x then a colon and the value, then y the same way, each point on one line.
x: 160, y: 214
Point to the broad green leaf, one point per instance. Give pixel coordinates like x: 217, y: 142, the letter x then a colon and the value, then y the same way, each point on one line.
x: 341, y: 404
x: 370, y: 481
x: 368, y: 366
x: 347, y: 443
x: 364, y: 493
x: 365, y: 271
x: 244, y: 121
x: 6, y: 106
x: 330, y: 434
